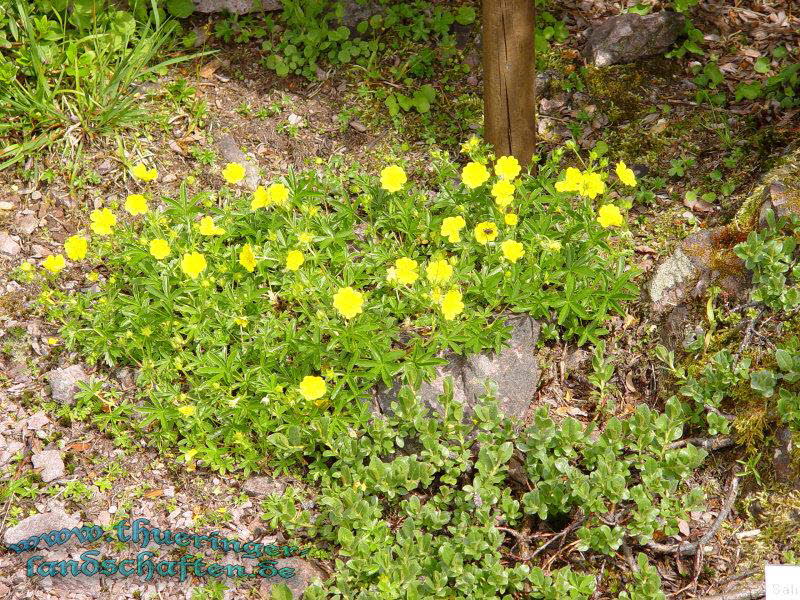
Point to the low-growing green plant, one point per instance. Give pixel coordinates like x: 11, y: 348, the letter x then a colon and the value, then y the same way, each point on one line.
x: 260, y: 322
x: 422, y: 507
x: 772, y: 256
x: 71, y: 75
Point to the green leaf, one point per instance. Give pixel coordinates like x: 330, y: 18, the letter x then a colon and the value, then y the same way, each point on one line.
x: 764, y: 382
x: 180, y: 8
x: 762, y: 65
x: 280, y: 591
x: 748, y: 91
x: 465, y: 15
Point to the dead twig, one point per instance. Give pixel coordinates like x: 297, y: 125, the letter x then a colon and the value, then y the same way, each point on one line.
x: 749, y: 593
x: 748, y: 333
x: 628, y: 554
x: 521, y: 537
x: 572, y: 527
x: 692, y: 549
x: 740, y: 576
x: 713, y: 443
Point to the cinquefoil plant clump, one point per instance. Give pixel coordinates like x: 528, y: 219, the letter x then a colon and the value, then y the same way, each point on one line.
x: 258, y: 322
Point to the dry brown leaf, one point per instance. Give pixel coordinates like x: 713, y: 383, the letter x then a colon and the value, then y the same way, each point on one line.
x: 683, y: 527
x: 154, y: 493
x: 79, y: 447
x: 207, y: 71
x: 699, y: 205
x: 629, y: 387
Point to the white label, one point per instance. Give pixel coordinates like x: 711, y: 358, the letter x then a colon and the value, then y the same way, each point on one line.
x: 783, y: 582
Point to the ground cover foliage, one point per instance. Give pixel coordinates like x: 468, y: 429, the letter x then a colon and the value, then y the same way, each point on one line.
x: 261, y: 321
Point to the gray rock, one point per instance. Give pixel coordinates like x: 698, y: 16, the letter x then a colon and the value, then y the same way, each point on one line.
x: 305, y: 573
x: 671, y: 281
x: 354, y: 12
x: 70, y: 586
x: 544, y: 83
x: 702, y: 259
x: 63, y: 382
x: 513, y: 373
x: 782, y: 198
x: 9, y: 450
x: 237, y: 7
x: 50, y: 463
x: 629, y: 37
x: 262, y: 486
x: 782, y: 458
x: 38, y: 524
x: 231, y: 152
x: 8, y: 245
x: 37, y: 421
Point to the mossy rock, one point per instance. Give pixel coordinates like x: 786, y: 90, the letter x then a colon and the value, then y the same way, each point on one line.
x: 780, y: 187
x: 707, y: 256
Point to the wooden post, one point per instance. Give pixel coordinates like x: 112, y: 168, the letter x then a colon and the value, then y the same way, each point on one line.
x: 509, y: 77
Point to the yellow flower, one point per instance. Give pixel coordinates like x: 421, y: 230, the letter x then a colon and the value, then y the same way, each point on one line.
x: 503, y: 192
x: 451, y: 228
x: 102, y: 221
x: 485, y: 232
x: 511, y: 219
x: 278, y: 193
x: 260, y: 198
x: 305, y: 237
x: 439, y: 271
x: 512, y: 250
x: 626, y: 175
x: 470, y: 145
x: 159, y: 248
x: 76, y: 246
x: 240, y: 321
x: 193, y: 263
x: 207, y: 227
x: 572, y: 182
x: 141, y: 172
x: 52, y: 341
x: 247, y: 258
x: 147, y: 331
x: 609, y: 216
x: 474, y: 175
x: 136, y: 204
x: 189, y: 410
x: 26, y: 267
x: 93, y: 276
x: 405, y: 270
x: 592, y: 185
x: 452, y: 305
x: 507, y: 167
x: 54, y: 263
x: 393, y: 178
x: 233, y: 172
x: 294, y: 259
x: 348, y: 302
x: 312, y: 387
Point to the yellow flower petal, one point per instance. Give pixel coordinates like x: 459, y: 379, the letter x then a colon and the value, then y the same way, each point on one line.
x: 393, y: 178
x: 76, y: 246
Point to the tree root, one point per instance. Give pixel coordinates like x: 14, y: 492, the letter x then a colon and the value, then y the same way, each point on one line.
x: 748, y: 593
